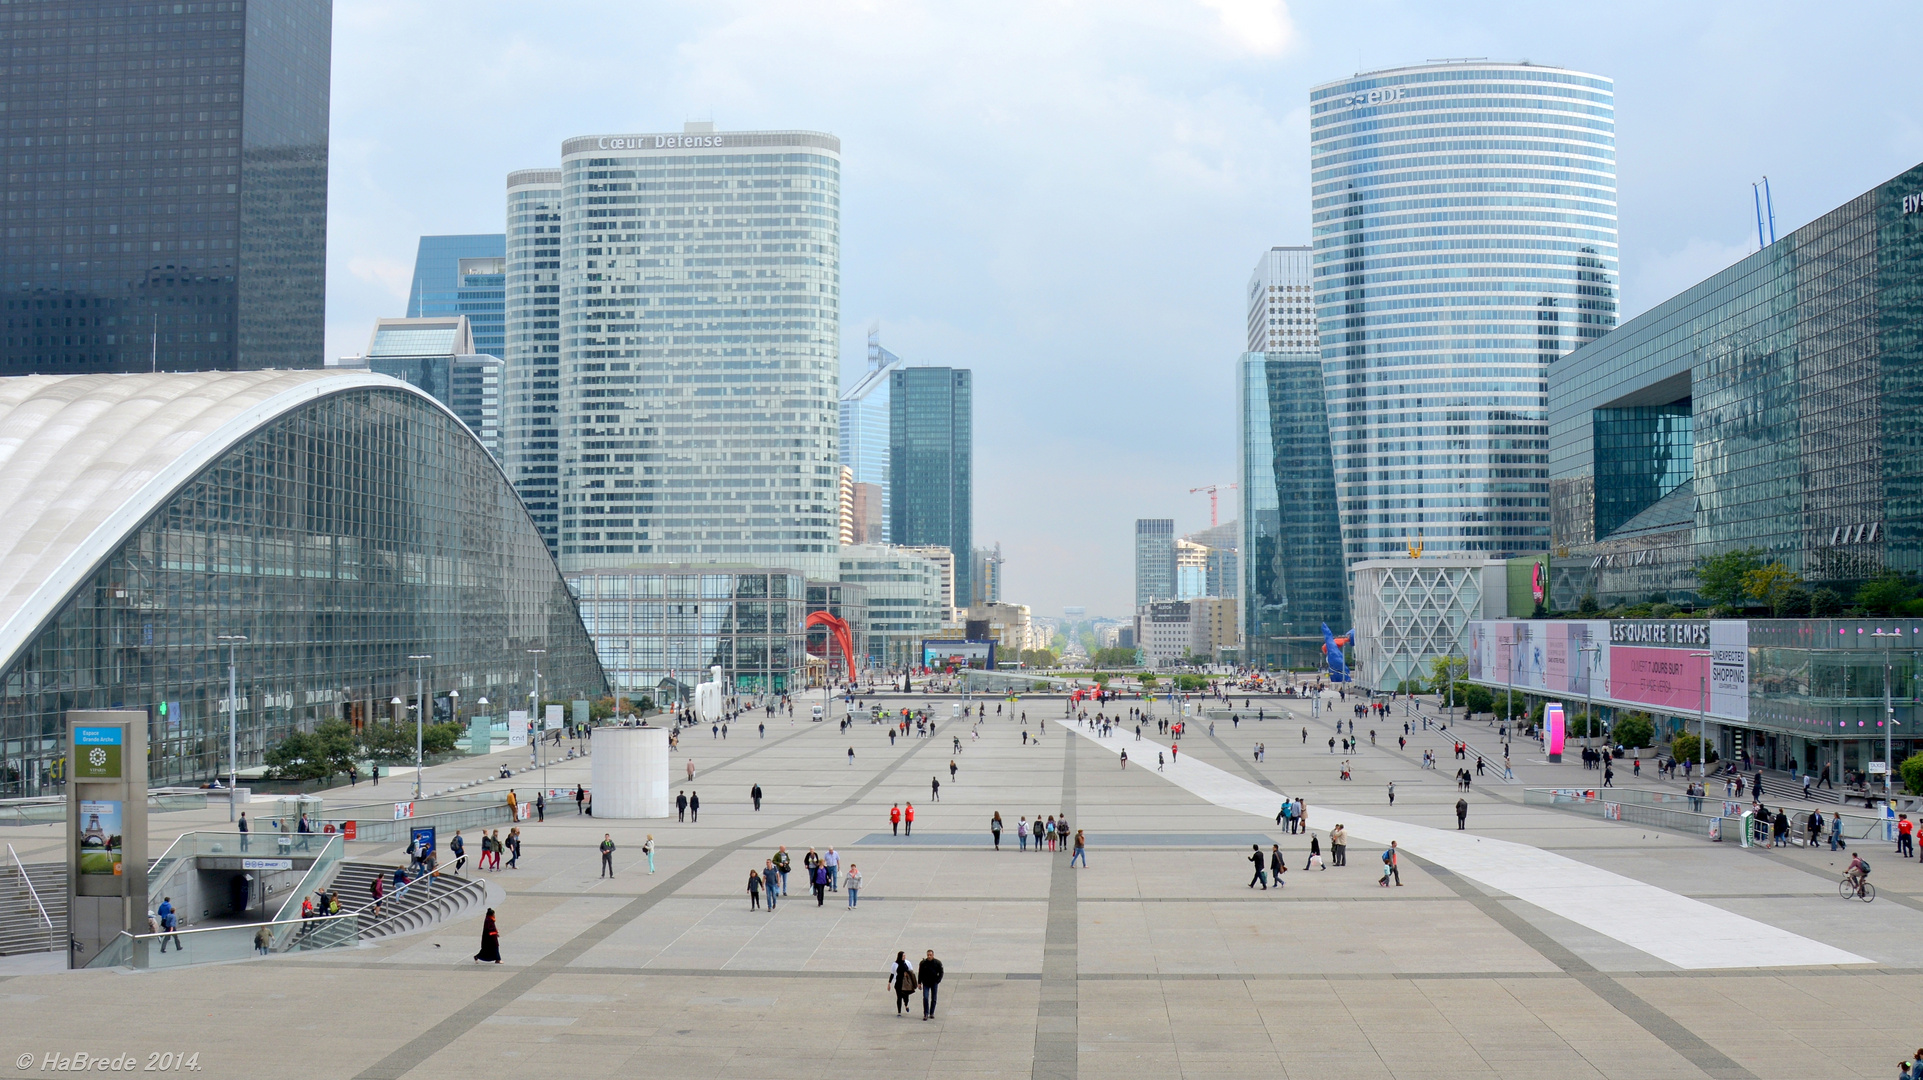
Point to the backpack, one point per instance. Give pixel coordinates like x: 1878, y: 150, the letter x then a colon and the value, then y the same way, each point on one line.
x: 1866, y: 865
x: 1386, y: 856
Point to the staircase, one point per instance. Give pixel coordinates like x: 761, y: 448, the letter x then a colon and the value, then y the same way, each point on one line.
x: 419, y: 906
x: 22, y: 928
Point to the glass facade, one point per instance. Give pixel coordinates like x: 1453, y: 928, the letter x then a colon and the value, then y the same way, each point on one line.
x: 464, y: 275
x: 1801, y: 373
x: 659, y: 630
x: 864, y: 439
x: 1465, y: 238
x: 170, y: 211
x: 700, y: 348
x: 931, y: 455
x: 1643, y: 452
x: 340, y: 538
x: 1293, y: 578
x: 533, y: 336
x: 903, y: 593
x: 1154, y: 560
x: 1281, y: 309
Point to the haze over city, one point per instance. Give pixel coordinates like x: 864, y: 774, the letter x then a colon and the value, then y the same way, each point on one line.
x: 1067, y: 197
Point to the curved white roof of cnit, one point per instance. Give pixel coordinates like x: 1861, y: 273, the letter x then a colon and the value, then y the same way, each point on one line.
x: 84, y: 459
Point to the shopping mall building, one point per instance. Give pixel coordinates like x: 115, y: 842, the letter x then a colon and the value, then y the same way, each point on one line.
x: 342, y: 533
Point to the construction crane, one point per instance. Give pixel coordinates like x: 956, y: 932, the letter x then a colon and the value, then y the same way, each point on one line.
x: 1214, y: 517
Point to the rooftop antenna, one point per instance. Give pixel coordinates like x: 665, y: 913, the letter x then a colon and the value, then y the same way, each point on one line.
x: 1759, y: 192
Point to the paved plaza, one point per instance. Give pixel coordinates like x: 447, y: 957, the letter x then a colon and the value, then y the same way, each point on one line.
x: 1537, y: 943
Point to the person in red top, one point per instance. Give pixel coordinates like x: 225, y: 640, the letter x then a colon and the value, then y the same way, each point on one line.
x: 1905, y: 836
x: 894, y: 819
x: 909, y: 817
x: 1174, y: 752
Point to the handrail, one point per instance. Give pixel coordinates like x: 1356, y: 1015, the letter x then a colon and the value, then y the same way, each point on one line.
x: 31, y: 891
x: 380, y: 920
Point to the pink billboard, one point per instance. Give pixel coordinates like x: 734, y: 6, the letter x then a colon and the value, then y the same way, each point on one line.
x: 1668, y: 679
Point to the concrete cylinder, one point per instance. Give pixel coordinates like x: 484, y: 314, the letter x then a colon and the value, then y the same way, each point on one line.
x: 628, y: 772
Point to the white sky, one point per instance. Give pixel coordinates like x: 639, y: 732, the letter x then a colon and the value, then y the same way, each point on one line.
x: 1068, y: 197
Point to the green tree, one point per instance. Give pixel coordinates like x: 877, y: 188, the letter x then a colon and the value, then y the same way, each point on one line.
x: 1721, y: 578
x: 1441, y: 667
x: 441, y: 738
x: 1040, y: 658
x: 1767, y: 583
x: 1686, y: 746
x: 1478, y: 699
x: 1113, y: 657
x: 1633, y: 730
x: 1884, y: 593
x: 299, y: 756
x: 1148, y: 680
x: 1912, y: 773
x: 1825, y: 602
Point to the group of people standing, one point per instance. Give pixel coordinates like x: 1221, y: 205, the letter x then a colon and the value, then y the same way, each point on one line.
x: 823, y: 876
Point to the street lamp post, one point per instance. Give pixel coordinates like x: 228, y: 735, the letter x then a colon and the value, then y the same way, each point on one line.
x: 1588, y: 695
x: 233, y: 719
x: 420, y: 715
x: 1702, y: 718
x: 535, y: 719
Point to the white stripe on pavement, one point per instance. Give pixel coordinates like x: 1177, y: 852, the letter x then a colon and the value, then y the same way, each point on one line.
x: 1677, y: 929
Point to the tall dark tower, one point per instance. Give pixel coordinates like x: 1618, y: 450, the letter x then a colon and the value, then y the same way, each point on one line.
x: 931, y: 463
x: 166, y: 170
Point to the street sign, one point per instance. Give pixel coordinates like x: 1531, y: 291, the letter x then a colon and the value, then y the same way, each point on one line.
x: 1878, y: 768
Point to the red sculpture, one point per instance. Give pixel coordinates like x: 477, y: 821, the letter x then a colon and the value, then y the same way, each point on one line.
x: 838, y: 629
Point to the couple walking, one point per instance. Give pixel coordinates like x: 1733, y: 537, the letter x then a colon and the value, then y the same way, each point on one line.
x: 904, y: 980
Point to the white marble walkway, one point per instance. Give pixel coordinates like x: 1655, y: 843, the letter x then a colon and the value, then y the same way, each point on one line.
x: 1676, y: 929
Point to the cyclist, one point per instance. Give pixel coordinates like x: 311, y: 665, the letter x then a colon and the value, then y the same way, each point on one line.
x: 1858, y: 872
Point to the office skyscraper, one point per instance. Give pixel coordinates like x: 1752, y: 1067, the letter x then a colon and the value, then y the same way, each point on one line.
x: 1282, y: 302
x: 700, y: 323
x: 1465, y: 238
x: 931, y: 458
x: 463, y: 275
x: 531, y: 398
x: 864, y: 442
x: 1154, y: 560
x: 438, y: 355
x: 170, y: 208
x: 1290, y: 552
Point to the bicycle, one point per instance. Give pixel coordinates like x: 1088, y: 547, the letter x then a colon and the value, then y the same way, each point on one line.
x: 1850, y: 890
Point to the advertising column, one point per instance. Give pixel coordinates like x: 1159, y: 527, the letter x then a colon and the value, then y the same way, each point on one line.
x: 106, y: 830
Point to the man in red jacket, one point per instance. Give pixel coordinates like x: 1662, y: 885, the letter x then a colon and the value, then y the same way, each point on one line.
x: 894, y: 819
x: 909, y: 817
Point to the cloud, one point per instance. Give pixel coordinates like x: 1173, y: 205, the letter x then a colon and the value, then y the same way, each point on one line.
x: 1260, y: 26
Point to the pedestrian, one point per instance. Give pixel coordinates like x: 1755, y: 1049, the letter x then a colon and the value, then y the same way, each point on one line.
x: 681, y: 806
x: 690, y: 770
x: 1315, y: 853
x: 1393, y: 856
x: 1125, y: 759
x: 908, y: 819
x: 540, y: 806
x: 832, y: 863
x: 1261, y: 869
x: 934, y: 788
x: 244, y: 829
x: 854, y: 884
x: 1276, y: 866
x: 514, y: 848
x: 580, y: 796
x: 770, y: 883
x: 894, y: 819
x: 1339, y: 846
x: 1021, y: 833
x: 1392, y: 793
x: 1081, y: 850
x: 818, y: 878
x: 755, y: 794
x: 169, y: 922
x: 783, y: 864
x: 901, y: 978
x: 647, y: 848
x: 995, y: 829
x: 264, y: 939
x: 754, y: 891
x: 490, y: 941
x: 928, y: 974
x: 1462, y: 814
x: 607, y: 854
x: 694, y: 806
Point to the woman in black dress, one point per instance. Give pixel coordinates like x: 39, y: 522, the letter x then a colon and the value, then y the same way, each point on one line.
x: 490, y: 941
